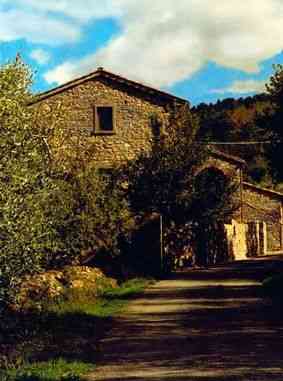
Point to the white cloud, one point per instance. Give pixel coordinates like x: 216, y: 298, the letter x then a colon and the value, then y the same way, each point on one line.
x: 243, y: 87
x: 60, y: 74
x: 162, y: 43
x: 82, y: 10
x: 36, y: 28
x: 51, y: 22
x: 42, y: 57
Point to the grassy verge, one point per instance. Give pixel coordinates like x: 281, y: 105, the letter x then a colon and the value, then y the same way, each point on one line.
x: 53, y: 370
x: 110, y: 302
x: 62, y: 342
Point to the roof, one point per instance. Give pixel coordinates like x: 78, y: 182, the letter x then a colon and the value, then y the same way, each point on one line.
x: 231, y: 158
x: 263, y: 190
x: 100, y: 73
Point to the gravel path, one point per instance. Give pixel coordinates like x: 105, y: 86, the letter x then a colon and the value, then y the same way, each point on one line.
x: 197, y: 326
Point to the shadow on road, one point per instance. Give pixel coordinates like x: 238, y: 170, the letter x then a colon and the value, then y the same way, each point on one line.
x: 196, y: 327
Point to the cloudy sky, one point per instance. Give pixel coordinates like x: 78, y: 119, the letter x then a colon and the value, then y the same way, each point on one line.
x: 202, y: 50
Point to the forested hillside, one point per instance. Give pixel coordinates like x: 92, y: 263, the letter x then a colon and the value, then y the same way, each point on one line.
x: 245, y: 122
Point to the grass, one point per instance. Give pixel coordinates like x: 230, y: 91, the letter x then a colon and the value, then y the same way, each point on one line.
x: 110, y: 302
x: 128, y: 290
x: 54, y: 370
x: 64, y: 344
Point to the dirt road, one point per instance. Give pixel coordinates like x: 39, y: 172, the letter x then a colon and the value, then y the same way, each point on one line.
x: 197, y: 326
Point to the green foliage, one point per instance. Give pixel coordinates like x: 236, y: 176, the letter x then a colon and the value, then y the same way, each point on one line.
x: 80, y: 318
x: 103, y: 212
x: 259, y: 171
x: 167, y: 182
x: 213, y: 196
x: 240, y: 120
x: 273, y: 121
x: 56, y: 370
x: 54, y: 208
x: 26, y: 186
x: 275, y: 85
x: 128, y: 289
x: 109, y: 302
x: 257, y: 118
x: 161, y: 181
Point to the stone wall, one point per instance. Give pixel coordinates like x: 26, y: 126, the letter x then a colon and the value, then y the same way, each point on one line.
x: 246, y: 240
x: 133, y: 115
x: 264, y: 206
x: 237, y: 240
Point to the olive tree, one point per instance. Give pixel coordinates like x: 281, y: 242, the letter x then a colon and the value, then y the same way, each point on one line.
x: 51, y: 210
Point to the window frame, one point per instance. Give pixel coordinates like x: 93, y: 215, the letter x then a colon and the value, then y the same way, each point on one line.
x: 96, y: 125
x: 105, y: 173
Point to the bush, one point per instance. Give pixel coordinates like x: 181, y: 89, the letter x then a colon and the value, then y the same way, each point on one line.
x: 41, y: 289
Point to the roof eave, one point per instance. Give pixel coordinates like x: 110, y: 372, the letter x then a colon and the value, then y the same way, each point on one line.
x: 228, y: 157
x: 101, y: 73
x: 264, y: 190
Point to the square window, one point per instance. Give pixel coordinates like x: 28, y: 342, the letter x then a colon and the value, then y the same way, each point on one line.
x: 104, y: 119
x: 105, y: 174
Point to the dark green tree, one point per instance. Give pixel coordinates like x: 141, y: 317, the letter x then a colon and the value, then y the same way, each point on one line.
x: 161, y: 180
x: 165, y: 181
x: 273, y: 120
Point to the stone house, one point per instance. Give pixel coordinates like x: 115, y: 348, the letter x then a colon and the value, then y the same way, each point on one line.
x: 112, y: 112
x: 115, y: 114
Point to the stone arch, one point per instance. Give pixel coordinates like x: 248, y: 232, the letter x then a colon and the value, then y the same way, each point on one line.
x: 213, y: 170
x: 228, y: 169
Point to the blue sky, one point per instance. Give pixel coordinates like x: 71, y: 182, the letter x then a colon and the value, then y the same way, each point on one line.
x: 202, y: 50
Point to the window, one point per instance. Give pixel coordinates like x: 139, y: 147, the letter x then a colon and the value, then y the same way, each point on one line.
x: 104, y: 120
x: 105, y: 174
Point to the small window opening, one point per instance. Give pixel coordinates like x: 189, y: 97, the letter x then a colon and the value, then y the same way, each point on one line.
x: 104, y: 121
x: 105, y: 174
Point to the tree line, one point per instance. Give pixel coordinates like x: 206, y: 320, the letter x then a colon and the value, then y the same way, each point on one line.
x: 255, y: 119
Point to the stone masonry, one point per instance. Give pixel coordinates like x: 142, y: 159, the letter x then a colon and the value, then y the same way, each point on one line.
x: 133, y: 112
x: 263, y: 205
x: 134, y: 106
